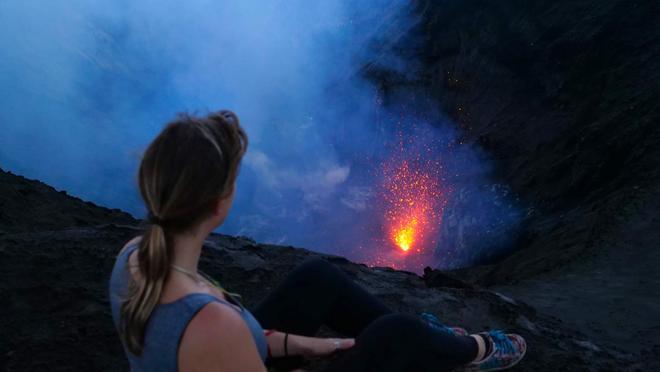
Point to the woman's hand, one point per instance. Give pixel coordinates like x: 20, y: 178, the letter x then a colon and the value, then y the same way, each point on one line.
x: 305, y: 346
x: 318, y: 347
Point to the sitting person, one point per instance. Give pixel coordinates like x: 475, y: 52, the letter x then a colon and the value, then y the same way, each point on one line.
x: 172, y: 317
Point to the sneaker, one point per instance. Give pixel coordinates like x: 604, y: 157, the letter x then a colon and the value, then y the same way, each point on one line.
x: 507, y: 351
x: 435, y: 323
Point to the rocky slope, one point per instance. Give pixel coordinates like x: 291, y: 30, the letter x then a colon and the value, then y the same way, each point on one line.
x: 55, y: 313
x: 563, y: 96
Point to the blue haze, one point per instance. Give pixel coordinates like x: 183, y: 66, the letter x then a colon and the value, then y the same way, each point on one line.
x: 85, y: 85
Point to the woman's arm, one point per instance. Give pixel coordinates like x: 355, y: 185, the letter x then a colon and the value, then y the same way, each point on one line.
x: 217, y: 339
x: 305, y: 346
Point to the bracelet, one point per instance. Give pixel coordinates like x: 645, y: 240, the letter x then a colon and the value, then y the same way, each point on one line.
x: 286, y: 341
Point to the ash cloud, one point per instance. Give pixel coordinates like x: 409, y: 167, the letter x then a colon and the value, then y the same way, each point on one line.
x: 87, y: 84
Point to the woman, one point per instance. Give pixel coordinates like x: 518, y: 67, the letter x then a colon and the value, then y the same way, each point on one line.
x: 170, y: 316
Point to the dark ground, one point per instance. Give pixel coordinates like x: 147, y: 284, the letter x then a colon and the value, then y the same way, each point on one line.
x: 56, y: 316
x: 562, y: 95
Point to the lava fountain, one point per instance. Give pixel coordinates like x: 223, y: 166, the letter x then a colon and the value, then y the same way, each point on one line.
x: 414, y: 200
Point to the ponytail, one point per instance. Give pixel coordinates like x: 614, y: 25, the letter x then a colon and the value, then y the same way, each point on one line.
x: 154, y: 258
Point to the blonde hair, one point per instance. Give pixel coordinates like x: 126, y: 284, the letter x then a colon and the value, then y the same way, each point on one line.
x: 190, y: 166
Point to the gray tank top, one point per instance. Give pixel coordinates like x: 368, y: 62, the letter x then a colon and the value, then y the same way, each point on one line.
x: 168, y: 322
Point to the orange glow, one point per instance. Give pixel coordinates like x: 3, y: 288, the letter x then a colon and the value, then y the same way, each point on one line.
x: 404, y: 237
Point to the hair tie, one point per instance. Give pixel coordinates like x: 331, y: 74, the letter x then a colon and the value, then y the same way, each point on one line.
x: 155, y: 220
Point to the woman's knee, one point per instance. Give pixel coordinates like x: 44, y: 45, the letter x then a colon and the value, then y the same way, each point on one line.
x: 397, y: 323
x: 394, y: 341
x: 317, y: 269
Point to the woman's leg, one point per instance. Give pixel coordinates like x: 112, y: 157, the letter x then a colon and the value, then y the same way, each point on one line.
x: 399, y: 342
x: 318, y: 293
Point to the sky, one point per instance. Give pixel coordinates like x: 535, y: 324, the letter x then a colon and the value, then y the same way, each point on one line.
x: 86, y: 85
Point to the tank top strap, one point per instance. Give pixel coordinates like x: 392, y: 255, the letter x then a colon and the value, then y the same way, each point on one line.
x: 123, y: 256
x: 195, y: 301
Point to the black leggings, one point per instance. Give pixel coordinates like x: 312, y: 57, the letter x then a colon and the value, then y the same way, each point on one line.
x: 318, y: 293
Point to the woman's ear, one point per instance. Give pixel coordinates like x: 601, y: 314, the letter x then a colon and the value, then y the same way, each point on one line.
x: 223, y: 204
x: 220, y: 207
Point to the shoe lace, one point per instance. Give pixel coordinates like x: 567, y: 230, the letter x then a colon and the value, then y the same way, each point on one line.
x: 501, y: 342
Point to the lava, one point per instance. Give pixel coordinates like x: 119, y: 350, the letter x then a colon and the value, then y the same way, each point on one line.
x: 404, y: 237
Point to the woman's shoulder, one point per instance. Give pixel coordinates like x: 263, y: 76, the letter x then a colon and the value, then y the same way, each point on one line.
x: 217, y: 335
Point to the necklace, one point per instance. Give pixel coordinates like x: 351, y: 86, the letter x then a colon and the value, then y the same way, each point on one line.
x: 189, y: 274
x: 195, y: 277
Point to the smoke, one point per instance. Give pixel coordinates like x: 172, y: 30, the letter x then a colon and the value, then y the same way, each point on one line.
x: 87, y: 84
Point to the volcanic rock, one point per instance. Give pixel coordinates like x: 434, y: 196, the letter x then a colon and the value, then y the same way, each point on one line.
x: 56, y: 315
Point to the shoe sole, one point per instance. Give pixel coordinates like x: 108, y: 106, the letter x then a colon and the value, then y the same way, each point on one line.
x: 522, y: 355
